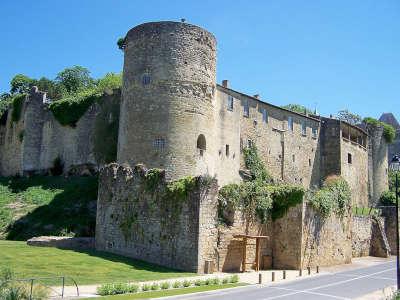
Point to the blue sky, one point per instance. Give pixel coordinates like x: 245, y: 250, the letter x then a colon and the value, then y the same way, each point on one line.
x: 333, y: 54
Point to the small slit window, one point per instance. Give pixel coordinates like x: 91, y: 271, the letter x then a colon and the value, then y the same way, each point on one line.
x: 246, y: 109
x: 265, y: 115
x: 349, y: 158
x: 230, y: 103
x: 201, y: 143
x: 303, y: 128
x: 227, y: 150
x: 290, y: 123
x: 159, y: 144
x: 146, y: 79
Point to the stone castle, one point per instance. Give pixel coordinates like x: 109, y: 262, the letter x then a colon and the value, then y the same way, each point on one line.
x: 173, y: 115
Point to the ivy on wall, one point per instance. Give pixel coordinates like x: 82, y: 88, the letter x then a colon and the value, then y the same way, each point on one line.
x: 17, y: 103
x: 257, y: 198
x: 388, y: 130
x: 333, y: 197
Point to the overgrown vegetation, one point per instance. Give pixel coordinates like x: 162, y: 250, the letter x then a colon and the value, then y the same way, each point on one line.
x: 257, y: 198
x: 33, y: 206
x: 298, y: 108
x: 10, y: 289
x: 349, y: 117
x: 333, y: 197
x: 17, y: 103
x: 388, y: 130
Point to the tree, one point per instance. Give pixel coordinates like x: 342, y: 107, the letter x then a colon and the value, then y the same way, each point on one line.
x: 53, y: 89
x: 349, y: 117
x: 21, y: 84
x: 5, y: 100
x: 298, y: 108
x: 109, y: 82
x: 121, y: 43
x: 75, y: 79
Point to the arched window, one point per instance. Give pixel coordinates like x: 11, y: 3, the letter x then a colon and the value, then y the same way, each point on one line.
x: 201, y: 143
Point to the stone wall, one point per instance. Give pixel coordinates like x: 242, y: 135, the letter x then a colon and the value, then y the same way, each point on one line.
x: 389, y: 214
x: 138, y: 223
x: 32, y: 144
x: 361, y: 232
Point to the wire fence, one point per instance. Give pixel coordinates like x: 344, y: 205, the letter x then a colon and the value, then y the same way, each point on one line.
x: 49, y: 283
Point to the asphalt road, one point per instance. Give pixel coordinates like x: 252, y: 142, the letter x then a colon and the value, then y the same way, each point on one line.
x: 342, y: 285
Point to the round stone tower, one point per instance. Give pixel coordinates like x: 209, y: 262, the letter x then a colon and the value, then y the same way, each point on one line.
x: 169, y: 84
x: 377, y: 163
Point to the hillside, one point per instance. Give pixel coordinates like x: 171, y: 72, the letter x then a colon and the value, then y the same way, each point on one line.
x: 47, y: 205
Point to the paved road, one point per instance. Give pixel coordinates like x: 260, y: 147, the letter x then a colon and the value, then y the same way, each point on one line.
x: 342, y: 285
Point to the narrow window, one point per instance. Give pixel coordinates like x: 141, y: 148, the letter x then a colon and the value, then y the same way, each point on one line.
x: 290, y: 123
x: 227, y: 150
x: 230, y: 103
x: 246, y: 109
x: 265, y: 115
x: 146, y: 79
x: 309, y: 162
x: 249, y: 143
x: 303, y: 128
x: 349, y: 158
x: 201, y: 144
x: 159, y: 144
x: 293, y: 158
x: 315, y: 132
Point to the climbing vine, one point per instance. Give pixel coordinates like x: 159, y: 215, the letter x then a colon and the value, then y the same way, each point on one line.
x: 257, y: 198
x: 333, y: 197
x: 17, y: 103
x: 389, y: 132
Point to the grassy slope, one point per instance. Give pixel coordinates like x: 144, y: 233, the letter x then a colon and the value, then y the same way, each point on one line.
x: 47, y: 205
x: 85, y: 267
x: 172, y: 292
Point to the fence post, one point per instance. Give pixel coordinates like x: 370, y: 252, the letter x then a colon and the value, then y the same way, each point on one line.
x: 63, y: 284
x: 30, y: 295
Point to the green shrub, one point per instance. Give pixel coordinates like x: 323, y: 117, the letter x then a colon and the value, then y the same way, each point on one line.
x: 208, y: 281
x: 333, y: 197
x: 283, y: 197
x: 146, y: 287
x: 389, y: 132
x: 179, y: 190
x: 177, y: 284
x: 155, y: 286
x: 225, y: 280
x: 186, y: 283
x: 254, y: 163
x: 152, y: 177
x: 109, y: 82
x: 17, y: 103
x: 105, y: 289
x: 388, y: 198
x: 69, y: 110
x: 165, y: 285
x: 133, y: 288
x: 234, y: 279
x: 216, y: 281
x: 199, y: 282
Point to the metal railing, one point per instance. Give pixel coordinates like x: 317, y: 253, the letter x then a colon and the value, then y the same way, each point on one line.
x: 40, y: 281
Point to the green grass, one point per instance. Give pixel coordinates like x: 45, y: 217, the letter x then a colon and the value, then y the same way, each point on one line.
x: 47, y: 205
x: 365, y: 211
x: 87, y: 267
x: 172, y: 292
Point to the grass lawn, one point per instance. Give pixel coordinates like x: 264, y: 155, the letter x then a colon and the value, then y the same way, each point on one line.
x: 47, y: 205
x: 85, y: 267
x: 172, y: 292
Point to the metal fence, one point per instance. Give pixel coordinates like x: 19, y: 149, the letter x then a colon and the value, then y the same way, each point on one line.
x: 56, y: 291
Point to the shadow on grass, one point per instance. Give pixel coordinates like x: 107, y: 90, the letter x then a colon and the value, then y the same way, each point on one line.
x: 72, y: 210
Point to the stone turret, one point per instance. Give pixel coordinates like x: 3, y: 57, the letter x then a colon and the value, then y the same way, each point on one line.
x: 169, y: 84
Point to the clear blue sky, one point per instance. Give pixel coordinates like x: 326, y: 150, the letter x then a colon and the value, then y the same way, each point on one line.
x: 339, y: 54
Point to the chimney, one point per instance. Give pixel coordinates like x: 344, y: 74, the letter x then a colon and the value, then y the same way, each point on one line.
x: 257, y: 96
x: 225, y: 83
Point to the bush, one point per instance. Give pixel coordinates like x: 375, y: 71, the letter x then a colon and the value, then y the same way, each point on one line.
x: 225, y: 280
x: 177, y: 284
x: 199, y: 282
x: 389, y: 132
x: 17, y: 103
x: 155, y: 286
x: 216, y: 281
x: 146, y: 287
x: 165, y: 285
x: 208, y: 281
x: 133, y: 288
x: 186, y: 283
x: 105, y: 289
x: 234, y: 279
x: 388, y: 198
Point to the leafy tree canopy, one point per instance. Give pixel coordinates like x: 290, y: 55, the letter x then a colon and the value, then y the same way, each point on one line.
x: 349, y: 117
x: 110, y: 81
x: 298, y: 108
x: 121, y: 43
x: 75, y: 79
x: 21, y: 84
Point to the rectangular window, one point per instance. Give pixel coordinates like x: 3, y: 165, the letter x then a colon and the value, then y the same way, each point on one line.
x: 349, y: 158
x: 293, y: 158
x: 159, y: 144
x: 290, y: 123
x: 265, y: 115
x: 249, y: 143
x: 246, y: 109
x: 227, y: 150
x: 303, y: 128
x: 230, y: 103
x: 315, y: 132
